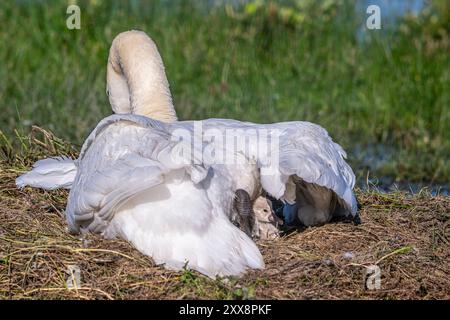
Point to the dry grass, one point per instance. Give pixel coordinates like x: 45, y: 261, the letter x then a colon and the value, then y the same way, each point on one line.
x: 406, y: 236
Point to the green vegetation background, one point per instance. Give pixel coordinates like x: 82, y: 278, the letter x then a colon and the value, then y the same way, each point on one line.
x: 263, y: 61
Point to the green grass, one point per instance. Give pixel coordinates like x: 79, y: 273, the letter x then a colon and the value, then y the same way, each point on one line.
x: 258, y: 63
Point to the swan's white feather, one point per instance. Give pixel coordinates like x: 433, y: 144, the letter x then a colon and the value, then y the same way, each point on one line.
x: 49, y: 174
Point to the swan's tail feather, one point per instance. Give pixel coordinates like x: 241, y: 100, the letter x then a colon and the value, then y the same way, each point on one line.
x: 49, y: 174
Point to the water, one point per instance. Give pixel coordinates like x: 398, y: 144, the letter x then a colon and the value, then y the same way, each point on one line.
x: 374, y: 156
x: 391, y: 10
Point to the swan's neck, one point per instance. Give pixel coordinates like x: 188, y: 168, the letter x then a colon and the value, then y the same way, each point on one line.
x: 136, y: 79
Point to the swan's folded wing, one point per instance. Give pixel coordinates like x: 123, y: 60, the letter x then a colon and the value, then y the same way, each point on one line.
x: 307, y: 151
x: 93, y: 205
x: 123, y: 156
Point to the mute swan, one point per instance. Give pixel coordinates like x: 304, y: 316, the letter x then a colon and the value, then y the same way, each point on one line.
x: 177, y: 211
x: 133, y: 183
x: 172, y: 211
x: 312, y: 172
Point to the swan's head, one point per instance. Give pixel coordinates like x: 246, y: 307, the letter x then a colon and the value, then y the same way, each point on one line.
x: 136, y: 80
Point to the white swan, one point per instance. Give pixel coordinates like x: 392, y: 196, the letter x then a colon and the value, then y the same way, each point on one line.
x: 127, y: 183
x: 314, y: 174
x: 137, y: 83
x: 310, y: 170
x: 133, y: 183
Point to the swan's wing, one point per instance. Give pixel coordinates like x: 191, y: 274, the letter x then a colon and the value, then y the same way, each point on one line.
x: 49, y: 174
x: 291, y: 154
x: 93, y: 206
x: 123, y: 156
x: 135, y: 120
x: 307, y: 152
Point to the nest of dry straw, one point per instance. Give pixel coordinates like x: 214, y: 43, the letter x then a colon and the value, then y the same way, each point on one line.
x: 406, y: 237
